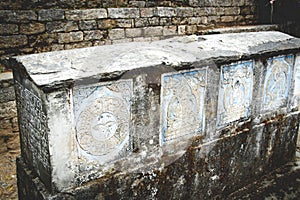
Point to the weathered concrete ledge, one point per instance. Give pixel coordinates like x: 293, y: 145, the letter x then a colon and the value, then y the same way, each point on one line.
x: 189, y: 117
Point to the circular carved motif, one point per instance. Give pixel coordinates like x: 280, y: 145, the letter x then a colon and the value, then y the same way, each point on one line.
x: 103, y: 123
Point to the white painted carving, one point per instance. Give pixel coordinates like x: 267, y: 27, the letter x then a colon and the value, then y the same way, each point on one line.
x: 277, y: 82
x: 235, y: 93
x: 182, y: 104
x: 102, y: 116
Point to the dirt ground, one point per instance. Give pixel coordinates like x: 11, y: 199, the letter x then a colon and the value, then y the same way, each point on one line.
x: 8, y: 177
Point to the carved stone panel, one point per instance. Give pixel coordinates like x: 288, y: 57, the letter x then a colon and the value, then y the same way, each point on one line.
x: 277, y: 82
x: 235, y: 92
x: 33, y: 128
x: 102, y: 120
x: 182, y: 104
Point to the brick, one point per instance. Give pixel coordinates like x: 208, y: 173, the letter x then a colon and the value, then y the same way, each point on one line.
x: 185, y: 11
x: 32, y: 28
x: 17, y: 16
x: 88, y: 25
x: 123, y: 13
x: 134, y: 32
x: 116, y: 34
x: 148, y: 12
x: 94, y: 35
x: 8, y: 29
x: 13, y: 41
x: 153, y: 31
x: 124, y: 23
x: 86, y: 14
x: 220, y: 11
x: 51, y: 15
x: 58, y: 26
x: 169, y: 30
x: 166, y: 12
x: 231, y: 10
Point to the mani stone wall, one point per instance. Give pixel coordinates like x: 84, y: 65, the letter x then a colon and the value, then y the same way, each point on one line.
x: 37, y: 26
x: 193, y: 117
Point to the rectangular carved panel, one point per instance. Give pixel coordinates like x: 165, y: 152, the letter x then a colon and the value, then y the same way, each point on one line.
x: 182, y: 104
x: 235, y: 92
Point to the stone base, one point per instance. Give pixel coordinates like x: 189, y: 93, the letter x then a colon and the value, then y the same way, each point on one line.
x: 204, y: 171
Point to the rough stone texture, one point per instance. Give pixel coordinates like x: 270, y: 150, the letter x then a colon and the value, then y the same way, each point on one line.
x: 86, y: 14
x: 51, y: 15
x: 13, y: 41
x: 61, y: 26
x: 123, y: 12
x: 159, y: 152
x: 8, y: 29
x: 32, y: 28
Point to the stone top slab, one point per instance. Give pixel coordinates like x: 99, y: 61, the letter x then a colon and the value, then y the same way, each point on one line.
x: 55, y: 68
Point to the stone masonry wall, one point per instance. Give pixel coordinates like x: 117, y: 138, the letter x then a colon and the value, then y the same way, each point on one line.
x: 38, y: 26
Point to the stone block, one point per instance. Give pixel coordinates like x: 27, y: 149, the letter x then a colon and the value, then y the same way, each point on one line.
x: 107, y: 24
x: 115, y: 34
x: 235, y: 92
x: 32, y: 28
x: 124, y: 23
x: 232, y: 10
x: 94, y: 35
x: 166, y: 12
x: 133, y: 32
x: 182, y: 107
x: 197, y: 20
x: 227, y: 19
x: 153, y: 31
x: 7, y: 29
x: 165, y: 21
x: 70, y: 37
x: 8, y: 110
x: 51, y: 15
x: 88, y: 25
x: 154, y: 21
x: 169, y: 30
x: 142, y: 22
x: 185, y: 11
x: 123, y: 13
x: 179, y: 20
x: 13, y: 41
x: 89, y: 14
x: 277, y: 82
x: 148, y: 12
x: 17, y: 16
x: 61, y: 26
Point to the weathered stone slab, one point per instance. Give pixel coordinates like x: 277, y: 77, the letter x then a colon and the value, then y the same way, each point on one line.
x: 182, y: 107
x: 235, y: 93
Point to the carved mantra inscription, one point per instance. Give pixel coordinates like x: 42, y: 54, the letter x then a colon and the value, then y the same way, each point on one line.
x: 235, y: 92
x: 33, y: 126
x: 182, y: 106
x: 277, y: 82
x: 102, y: 115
